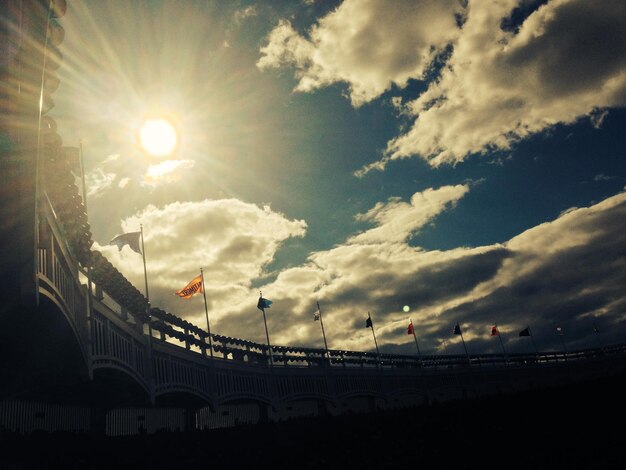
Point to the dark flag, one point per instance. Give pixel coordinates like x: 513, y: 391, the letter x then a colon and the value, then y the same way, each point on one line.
x: 131, y: 239
x: 525, y: 332
x: 457, y: 329
x: 368, y: 323
x: 494, y: 331
x: 409, y: 330
x: 262, y: 304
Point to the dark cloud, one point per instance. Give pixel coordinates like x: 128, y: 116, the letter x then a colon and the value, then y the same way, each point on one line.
x: 582, y: 46
x: 568, y: 273
x: 572, y: 288
x: 448, y: 279
x: 238, y: 249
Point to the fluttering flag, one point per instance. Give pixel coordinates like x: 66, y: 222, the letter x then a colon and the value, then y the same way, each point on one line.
x: 457, y: 329
x: 131, y: 239
x: 494, y: 330
x: 409, y: 329
x: 194, y: 287
x: 262, y: 304
x: 525, y: 332
x: 316, y: 316
x: 368, y: 323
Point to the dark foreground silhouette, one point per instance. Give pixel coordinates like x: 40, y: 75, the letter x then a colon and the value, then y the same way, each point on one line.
x: 581, y: 426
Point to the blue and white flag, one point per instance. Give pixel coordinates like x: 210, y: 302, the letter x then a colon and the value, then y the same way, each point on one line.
x: 263, y: 304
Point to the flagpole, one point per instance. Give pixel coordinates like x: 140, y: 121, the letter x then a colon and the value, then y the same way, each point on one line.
x: 84, y: 197
x: 323, y: 333
x: 530, y: 333
x: 145, y: 272
x: 559, y: 332
x: 145, y: 275
x: 82, y: 174
x: 596, y: 330
x: 89, y: 283
x: 506, y: 359
x: 464, y: 347
x: 267, y: 335
x: 374, y: 335
x: 206, y: 312
x: 39, y: 163
x: 419, y: 354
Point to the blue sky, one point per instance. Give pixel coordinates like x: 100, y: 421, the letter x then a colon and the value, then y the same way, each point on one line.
x: 463, y: 159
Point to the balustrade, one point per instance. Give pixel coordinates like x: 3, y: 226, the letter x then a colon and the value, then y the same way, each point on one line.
x: 240, y: 367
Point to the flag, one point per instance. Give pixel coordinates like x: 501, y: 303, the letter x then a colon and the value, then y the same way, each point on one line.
x: 457, y: 329
x: 194, y: 287
x: 494, y: 330
x: 131, y: 239
x: 368, y: 323
x: 262, y: 304
x: 316, y: 316
x: 596, y: 329
x: 525, y: 332
x: 409, y: 329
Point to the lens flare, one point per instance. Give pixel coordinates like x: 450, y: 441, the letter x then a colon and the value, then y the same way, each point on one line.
x: 158, y: 137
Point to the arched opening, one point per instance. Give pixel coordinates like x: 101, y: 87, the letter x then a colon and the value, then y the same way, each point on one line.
x: 42, y: 357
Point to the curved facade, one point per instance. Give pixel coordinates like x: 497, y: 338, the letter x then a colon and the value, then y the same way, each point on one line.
x: 81, y: 347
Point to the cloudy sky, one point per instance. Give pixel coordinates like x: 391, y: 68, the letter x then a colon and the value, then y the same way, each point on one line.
x: 463, y: 159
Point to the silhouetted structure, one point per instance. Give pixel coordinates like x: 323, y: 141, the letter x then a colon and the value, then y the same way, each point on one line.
x: 76, y: 350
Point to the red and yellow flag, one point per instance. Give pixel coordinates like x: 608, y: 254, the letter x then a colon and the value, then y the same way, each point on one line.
x: 190, y: 289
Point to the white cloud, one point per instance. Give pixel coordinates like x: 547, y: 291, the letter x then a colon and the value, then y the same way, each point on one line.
x: 567, y: 271
x: 567, y: 61
x: 166, y: 172
x: 398, y: 220
x: 98, y: 181
x: 352, y: 277
x: 368, y: 44
x: 602, y: 177
x: 233, y: 241
x: 597, y: 118
x: 244, y: 13
x: 111, y: 158
x: 102, y: 177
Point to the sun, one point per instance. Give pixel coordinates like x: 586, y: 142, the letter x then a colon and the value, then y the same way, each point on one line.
x: 158, y: 137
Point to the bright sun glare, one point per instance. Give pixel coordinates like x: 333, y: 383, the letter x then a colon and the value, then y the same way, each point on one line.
x: 158, y: 137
